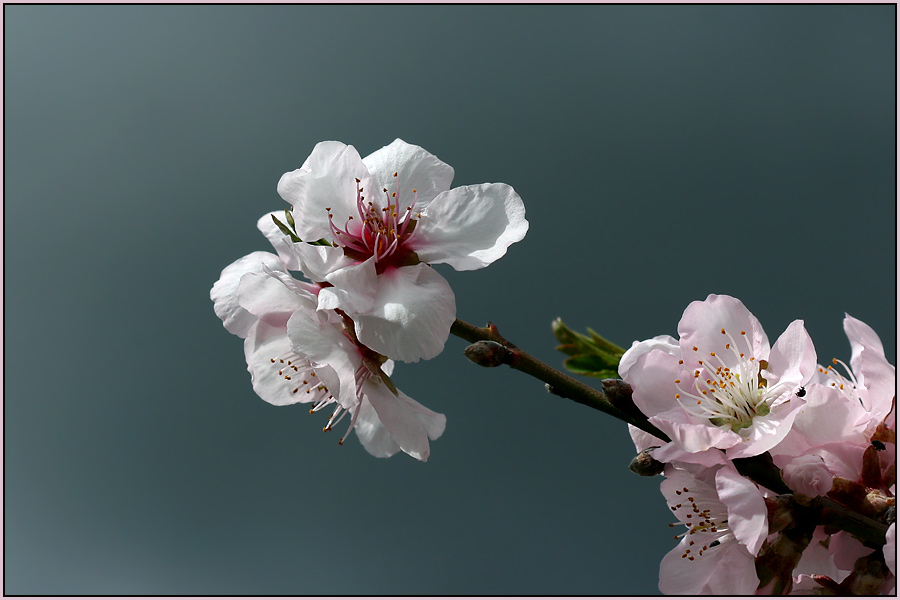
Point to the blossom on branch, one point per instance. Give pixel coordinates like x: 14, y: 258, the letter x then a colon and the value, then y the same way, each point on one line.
x: 296, y: 354
x: 720, y: 385
x: 374, y: 225
x: 725, y: 516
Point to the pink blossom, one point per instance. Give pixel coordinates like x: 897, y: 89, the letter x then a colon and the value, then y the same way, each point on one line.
x: 726, y: 519
x: 720, y: 385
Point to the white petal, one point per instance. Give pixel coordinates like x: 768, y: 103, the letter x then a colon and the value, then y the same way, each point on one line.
x: 409, y: 423
x: 264, y: 343
x: 413, y: 310
x: 322, y: 344
x: 372, y: 433
x: 326, y: 180
x: 224, y: 291
x: 354, y: 289
x: 282, y: 243
x: 267, y: 297
x: 470, y: 227
x: 318, y: 262
x: 416, y: 168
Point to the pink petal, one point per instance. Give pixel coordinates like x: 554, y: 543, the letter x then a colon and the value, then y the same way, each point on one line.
x: 792, y: 360
x: 701, y: 327
x: 747, y: 514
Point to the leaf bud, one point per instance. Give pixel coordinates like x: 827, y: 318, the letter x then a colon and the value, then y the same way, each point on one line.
x: 487, y: 353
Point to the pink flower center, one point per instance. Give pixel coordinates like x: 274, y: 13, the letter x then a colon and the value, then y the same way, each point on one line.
x: 382, y: 230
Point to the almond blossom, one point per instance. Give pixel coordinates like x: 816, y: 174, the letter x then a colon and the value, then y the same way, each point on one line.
x: 382, y: 221
x: 297, y: 354
x: 720, y: 385
x: 725, y: 516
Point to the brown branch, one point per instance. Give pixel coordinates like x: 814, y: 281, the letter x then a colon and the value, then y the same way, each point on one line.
x: 498, y: 350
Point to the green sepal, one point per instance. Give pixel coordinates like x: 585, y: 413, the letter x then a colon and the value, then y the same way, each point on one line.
x: 290, y: 218
x: 284, y: 229
x: 591, y: 355
x: 387, y: 381
x: 322, y: 242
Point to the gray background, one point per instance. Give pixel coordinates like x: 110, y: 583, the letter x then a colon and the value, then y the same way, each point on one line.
x: 663, y: 153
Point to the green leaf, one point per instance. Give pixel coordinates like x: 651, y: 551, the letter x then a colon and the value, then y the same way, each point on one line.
x: 591, y: 355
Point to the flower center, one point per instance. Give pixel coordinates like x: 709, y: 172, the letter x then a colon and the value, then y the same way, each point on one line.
x: 725, y: 395
x: 705, y: 517
x: 382, y: 230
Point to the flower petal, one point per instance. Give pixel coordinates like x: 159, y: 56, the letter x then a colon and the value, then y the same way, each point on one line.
x: 413, y: 310
x: 792, y: 360
x: 264, y: 343
x: 470, y: 227
x: 652, y: 376
x: 890, y: 549
x: 409, y: 423
x: 694, y: 437
x: 747, y: 514
x: 282, y: 243
x: 326, y: 180
x: 666, y: 343
x: 372, y: 433
x: 321, y: 342
x: 416, y: 168
x: 765, y: 433
x: 318, y: 262
x: 268, y: 298
x: 354, y: 288
x: 235, y: 318
x: 861, y: 336
x: 701, y: 327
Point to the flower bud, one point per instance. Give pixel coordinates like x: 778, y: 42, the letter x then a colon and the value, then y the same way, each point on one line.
x: 645, y: 465
x: 487, y: 353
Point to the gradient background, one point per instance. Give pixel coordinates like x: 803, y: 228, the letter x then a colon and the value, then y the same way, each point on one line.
x: 663, y: 153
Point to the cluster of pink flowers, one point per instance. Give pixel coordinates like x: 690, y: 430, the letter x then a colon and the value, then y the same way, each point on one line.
x: 721, y: 393
x: 363, y: 232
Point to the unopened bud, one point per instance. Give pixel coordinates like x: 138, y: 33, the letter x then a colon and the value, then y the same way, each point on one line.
x: 487, y: 353
x: 780, y: 511
x: 868, y: 576
x: 618, y: 393
x: 645, y: 465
